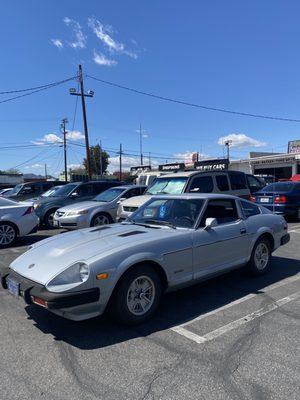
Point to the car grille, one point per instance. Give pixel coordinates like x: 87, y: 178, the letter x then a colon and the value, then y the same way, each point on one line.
x: 130, y: 209
x: 60, y: 213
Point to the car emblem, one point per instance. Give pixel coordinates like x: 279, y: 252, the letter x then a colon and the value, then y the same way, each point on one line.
x: 31, y: 266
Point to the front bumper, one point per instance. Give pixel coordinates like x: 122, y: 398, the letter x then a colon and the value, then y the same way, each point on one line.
x: 30, y: 291
x: 72, y: 221
x: 285, y: 239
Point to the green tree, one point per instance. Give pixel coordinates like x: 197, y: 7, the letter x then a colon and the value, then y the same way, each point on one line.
x: 95, y: 154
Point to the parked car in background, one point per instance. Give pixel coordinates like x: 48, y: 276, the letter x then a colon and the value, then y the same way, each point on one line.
x: 281, y: 198
x: 295, y: 178
x: 29, y: 190
x: 45, y: 207
x: 5, y: 192
x: 101, y: 210
x: 16, y: 220
x: 225, y: 182
x: 254, y: 183
x: 147, y: 178
x: 170, y: 241
x: 267, y: 178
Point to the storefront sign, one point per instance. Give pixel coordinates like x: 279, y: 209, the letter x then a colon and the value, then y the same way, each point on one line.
x: 140, y: 168
x: 294, y: 147
x: 172, y: 167
x: 212, y: 165
x: 275, y: 160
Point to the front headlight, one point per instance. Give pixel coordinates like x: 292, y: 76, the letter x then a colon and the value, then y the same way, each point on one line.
x: 82, y: 212
x: 75, y: 275
x: 36, y: 205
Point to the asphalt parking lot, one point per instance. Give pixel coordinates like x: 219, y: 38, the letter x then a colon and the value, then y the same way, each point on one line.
x: 233, y: 337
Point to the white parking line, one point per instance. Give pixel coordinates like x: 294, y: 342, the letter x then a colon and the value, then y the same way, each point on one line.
x: 237, y: 323
x: 241, y: 300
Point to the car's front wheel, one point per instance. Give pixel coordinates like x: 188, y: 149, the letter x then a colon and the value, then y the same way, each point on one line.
x: 8, y: 234
x: 49, y: 219
x: 136, y: 296
x: 101, y: 219
x: 260, y: 259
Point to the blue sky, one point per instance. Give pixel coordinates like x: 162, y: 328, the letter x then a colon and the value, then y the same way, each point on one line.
x: 229, y: 54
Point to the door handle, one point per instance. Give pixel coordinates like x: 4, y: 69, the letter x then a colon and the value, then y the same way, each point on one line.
x: 243, y: 231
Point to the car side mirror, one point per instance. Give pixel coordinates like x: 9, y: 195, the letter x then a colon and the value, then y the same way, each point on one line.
x: 121, y: 199
x: 210, y: 223
x: 74, y: 195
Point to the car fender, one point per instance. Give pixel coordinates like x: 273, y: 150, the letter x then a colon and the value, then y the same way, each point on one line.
x: 261, y: 231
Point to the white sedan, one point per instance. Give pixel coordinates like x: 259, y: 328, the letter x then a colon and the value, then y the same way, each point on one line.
x: 170, y: 242
x: 16, y: 219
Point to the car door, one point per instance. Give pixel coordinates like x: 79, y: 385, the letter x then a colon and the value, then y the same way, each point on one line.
x: 223, y: 246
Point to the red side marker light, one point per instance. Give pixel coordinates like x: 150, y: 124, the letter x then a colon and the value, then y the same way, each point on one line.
x: 39, y: 301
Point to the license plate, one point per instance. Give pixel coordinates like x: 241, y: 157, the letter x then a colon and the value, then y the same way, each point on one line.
x: 13, y: 287
x: 264, y: 200
x: 55, y: 223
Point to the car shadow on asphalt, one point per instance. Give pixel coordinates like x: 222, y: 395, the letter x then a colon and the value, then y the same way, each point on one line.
x: 176, y: 308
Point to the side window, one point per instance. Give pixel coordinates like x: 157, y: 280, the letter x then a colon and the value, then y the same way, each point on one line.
x: 237, y: 181
x: 223, y: 210
x: 85, y: 190
x: 132, y: 193
x: 202, y: 184
x: 254, y: 183
x: 249, y: 209
x: 222, y: 182
x: 29, y: 189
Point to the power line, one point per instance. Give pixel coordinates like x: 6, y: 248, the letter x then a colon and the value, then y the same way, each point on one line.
x: 37, y: 90
x: 185, y: 103
x: 38, y: 87
x: 32, y: 158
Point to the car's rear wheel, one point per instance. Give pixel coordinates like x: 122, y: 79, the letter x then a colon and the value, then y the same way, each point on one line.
x: 101, y: 219
x: 8, y: 234
x: 49, y: 219
x: 260, y: 259
x: 136, y: 296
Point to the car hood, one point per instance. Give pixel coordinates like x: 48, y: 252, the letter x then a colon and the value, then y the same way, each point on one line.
x: 83, y: 205
x: 51, y: 256
x: 136, y: 201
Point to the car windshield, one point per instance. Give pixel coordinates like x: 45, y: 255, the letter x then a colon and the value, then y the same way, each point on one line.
x: 16, y: 189
x: 175, y: 213
x: 173, y: 185
x: 278, y: 187
x: 51, y: 191
x: 64, y: 190
x: 109, y: 195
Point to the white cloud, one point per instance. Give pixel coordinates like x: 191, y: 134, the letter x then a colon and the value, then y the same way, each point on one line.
x: 240, y: 140
x: 187, y: 156
x: 104, y: 34
x: 34, y: 166
x: 52, y: 138
x: 80, y: 38
x: 57, y: 43
x: 74, y: 166
x: 100, y: 59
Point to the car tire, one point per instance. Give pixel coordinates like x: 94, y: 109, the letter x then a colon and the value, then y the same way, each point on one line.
x: 101, y: 219
x: 48, y: 219
x: 8, y: 234
x: 137, y: 296
x: 260, y: 260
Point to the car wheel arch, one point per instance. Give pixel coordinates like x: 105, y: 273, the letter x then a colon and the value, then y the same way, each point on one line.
x: 12, y: 224
x: 95, y: 214
x: 266, y: 235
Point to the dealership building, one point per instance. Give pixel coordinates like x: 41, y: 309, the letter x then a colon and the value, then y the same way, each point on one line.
x: 280, y: 165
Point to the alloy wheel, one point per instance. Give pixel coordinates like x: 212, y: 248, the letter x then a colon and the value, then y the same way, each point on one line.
x: 101, y: 220
x: 7, y: 234
x: 261, y: 256
x: 141, y: 295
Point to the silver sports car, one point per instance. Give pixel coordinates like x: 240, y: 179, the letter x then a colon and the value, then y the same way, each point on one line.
x: 170, y: 242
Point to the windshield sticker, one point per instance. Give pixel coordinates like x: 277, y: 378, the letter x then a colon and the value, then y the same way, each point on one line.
x: 162, y: 211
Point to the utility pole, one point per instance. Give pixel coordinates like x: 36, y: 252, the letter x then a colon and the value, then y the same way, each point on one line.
x: 82, y: 94
x: 227, y: 145
x: 46, y: 175
x: 120, y: 160
x: 141, y: 144
x: 64, y: 132
x: 101, y: 166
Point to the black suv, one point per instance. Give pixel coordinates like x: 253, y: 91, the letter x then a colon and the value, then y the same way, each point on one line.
x: 25, y: 191
x: 74, y: 192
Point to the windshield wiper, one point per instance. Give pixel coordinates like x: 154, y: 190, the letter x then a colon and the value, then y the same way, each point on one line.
x: 156, y: 222
x: 131, y: 221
